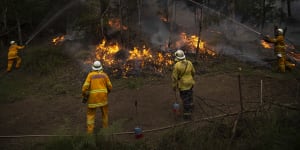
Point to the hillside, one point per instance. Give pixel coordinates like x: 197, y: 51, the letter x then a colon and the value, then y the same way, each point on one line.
x: 43, y: 97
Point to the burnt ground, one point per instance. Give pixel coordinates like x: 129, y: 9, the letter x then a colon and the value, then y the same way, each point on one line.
x: 51, y: 104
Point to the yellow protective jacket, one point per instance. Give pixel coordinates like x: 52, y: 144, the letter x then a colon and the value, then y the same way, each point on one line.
x: 13, y: 51
x: 183, y: 75
x: 279, y: 45
x: 97, y: 84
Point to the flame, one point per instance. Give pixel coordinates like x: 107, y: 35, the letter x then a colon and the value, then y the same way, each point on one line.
x: 137, y: 59
x: 265, y: 44
x: 106, y: 52
x: 164, y: 19
x: 58, y: 39
x: 116, y: 23
x: 143, y: 58
x: 192, y: 43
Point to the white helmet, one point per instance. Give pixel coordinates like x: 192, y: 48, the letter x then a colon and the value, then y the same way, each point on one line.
x: 280, y: 31
x: 97, y: 65
x: 12, y: 42
x: 279, y: 55
x: 179, y: 54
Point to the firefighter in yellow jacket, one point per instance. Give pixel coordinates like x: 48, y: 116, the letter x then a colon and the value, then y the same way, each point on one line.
x: 280, y: 50
x: 183, y: 80
x: 13, y: 56
x: 96, y: 88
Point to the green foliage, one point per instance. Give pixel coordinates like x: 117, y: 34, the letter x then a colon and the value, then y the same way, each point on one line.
x: 279, y: 131
x: 12, y: 89
x: 135, y: 83
x: 270, y: 130
x: 44, y: 60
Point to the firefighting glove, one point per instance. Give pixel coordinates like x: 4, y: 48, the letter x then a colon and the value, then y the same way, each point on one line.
x: 266, y: 38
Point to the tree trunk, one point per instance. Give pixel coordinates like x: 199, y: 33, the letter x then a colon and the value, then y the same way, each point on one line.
x: 282, y: 16
x: 172, y: 21
x: 232, y: 9
x: 200, y: 20
x: 139, y: 6
x: 288, y: 3
x: 19, y: 29
x: 263, y: 6
x: 4, y: 19
x: 121, y: 21
x: 128, y: 38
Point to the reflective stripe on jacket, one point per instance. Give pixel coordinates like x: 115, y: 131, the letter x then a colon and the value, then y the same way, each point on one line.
x: 97, y: 84
x: 13, y: 51
x: 183, y: 75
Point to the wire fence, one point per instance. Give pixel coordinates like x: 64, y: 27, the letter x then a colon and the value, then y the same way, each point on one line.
x: 260, y: 104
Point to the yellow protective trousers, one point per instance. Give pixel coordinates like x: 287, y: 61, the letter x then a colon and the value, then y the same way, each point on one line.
x: 91, y: 113
x: 10, y: 63
x: 283, y: 64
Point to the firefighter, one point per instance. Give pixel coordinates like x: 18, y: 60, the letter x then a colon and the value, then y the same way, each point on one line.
x: 95, y: 90
x: 280, y: 50
x: 13, y: 56
x: 183, y: 80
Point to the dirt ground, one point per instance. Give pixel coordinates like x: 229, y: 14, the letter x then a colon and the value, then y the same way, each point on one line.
x: 63, y: 113
x: 51, y: 104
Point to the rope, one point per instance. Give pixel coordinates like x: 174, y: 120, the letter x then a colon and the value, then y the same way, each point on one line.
x: 187, y: 122
x: 33, y: 135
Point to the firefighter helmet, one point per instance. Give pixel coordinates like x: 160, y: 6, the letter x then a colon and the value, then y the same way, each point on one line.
x: 12, y: 42
x: 279, y: 55
x: 179, y: 54
x: 280, y: 31
x: 97, y: 65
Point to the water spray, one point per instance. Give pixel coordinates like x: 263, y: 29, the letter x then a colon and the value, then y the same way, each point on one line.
x: 234, y: 21
x: 69, y: 5
x: 231, y: 19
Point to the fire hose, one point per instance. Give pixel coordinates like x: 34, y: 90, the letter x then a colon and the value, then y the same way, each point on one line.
x: 236, y: 22
x: 43, y: 26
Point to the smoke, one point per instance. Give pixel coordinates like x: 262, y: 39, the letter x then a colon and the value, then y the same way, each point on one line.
x: 157, y: 30
x: 160, y: 37
x: 225, y: 36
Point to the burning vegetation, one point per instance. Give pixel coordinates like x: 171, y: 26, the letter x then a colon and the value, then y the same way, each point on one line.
x: 58, y: 39
x: 194, y: 44
x: 116, y: 24
x: 130, y: 62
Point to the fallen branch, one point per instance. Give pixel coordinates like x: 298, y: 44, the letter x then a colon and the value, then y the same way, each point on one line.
x: 234, y: 129
x: 32, y: 135
x: 187, y: 122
